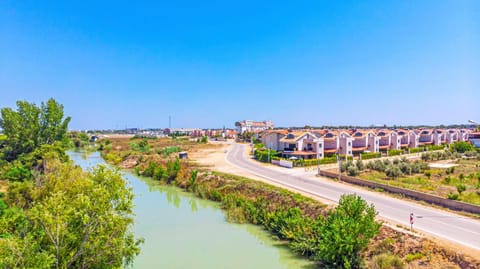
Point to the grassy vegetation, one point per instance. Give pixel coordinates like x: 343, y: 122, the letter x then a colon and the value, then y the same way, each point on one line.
x: 460, y: 181
x: 438, y: 181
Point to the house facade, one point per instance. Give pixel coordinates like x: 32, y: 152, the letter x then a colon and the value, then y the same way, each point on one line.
x: 304, y: 145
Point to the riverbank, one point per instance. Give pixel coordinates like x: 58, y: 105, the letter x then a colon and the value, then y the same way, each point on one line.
x: 414, y: 251
x: 181, y: 230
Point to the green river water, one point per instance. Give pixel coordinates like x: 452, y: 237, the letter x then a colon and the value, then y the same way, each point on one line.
x: 183, y: 231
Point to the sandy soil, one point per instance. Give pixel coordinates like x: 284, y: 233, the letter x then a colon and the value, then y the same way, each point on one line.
x: 213, y: 159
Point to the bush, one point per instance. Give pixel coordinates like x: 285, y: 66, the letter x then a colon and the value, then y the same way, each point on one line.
x: 428, y: 173
x: 369, y: 155
x: 462, y: 146
x: 266, y: 155
x: 387, y: 261
x: 360, y: 165
x: 352, y: 171
x: 461, y: 188
x: 393, y: 171
x: 413, y: 256
x: 377, y: 165
x: 450, y: 170
x: 406, y: 168
x: 435, y: 147
x: 346, y: 232
x: 452, y: 196
x: 416, y: 150
x: 394, y: 152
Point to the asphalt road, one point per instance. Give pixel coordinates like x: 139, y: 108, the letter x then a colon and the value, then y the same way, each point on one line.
x: 439, y: 223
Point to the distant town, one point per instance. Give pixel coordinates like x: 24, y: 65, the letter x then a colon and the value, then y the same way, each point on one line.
x: 318, y: 142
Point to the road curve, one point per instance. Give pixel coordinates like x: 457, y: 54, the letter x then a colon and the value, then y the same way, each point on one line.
x: 445, y: 225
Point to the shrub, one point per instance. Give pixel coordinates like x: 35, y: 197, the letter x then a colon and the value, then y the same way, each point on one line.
x: 369, y: 155
x: 462, y: 146
x: 452, y: 196
x: 406, y: 168
x: 413, y: 256
x: 450, y: 170
x: 428, y: 173
x: 387, y: 261
x: 265, y: 155
x: 346, y: 232
x: 378, y: 165
x: 352, y: 170
x: 393, y: 171
x: 394, y: 152
x: 461, y: 188
x: 345, y: 165
x: 360, y: 165
x: 416, y: 150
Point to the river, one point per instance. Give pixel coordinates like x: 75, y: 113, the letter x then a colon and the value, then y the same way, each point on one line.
x: 183, y: 231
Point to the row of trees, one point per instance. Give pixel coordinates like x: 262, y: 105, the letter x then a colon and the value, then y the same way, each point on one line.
x: 54, y: 215
x: 393, y: 169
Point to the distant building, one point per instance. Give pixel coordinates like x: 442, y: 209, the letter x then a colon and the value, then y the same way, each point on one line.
x: 474, y: 138
x: 253, y: 126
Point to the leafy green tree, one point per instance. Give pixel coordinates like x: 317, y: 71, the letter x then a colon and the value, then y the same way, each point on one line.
x: 77, y: 220
x: 346, y: 232
x: 30, y: 126
x: 462, y: 146
x: 393, y: 171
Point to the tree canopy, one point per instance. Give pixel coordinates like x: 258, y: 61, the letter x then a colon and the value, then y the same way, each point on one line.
x: 76, y: 219
x: 30, y: 127
x: 54, y: 214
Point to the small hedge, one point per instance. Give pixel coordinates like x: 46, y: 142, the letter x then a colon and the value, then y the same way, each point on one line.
x: 264, y: 155
x: 435, y: 147
x: 370, y: 155
x: 416, y: 150
x: 395, y: 152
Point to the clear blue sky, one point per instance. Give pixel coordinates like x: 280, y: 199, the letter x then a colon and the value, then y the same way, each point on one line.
x: 209, y: 63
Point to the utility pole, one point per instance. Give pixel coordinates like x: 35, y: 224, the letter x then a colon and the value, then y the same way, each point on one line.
x: 339, y: 167
x: 318, y: 162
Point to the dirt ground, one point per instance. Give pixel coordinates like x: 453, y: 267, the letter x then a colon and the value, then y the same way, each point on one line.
x: 213, y: 158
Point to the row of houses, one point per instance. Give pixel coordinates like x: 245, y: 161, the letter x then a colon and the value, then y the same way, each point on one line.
x: 320, y: 143
x: 196, y: 132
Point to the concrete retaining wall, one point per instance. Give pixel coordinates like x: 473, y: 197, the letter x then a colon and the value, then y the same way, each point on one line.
x: 436, y: 200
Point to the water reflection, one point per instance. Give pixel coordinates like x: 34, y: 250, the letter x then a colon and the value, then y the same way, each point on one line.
x: 183, y: 231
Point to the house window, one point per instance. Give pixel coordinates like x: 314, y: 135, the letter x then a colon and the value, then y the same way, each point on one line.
x: 349, y: 152
x: 319, y: 146
x: 349, y: 144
